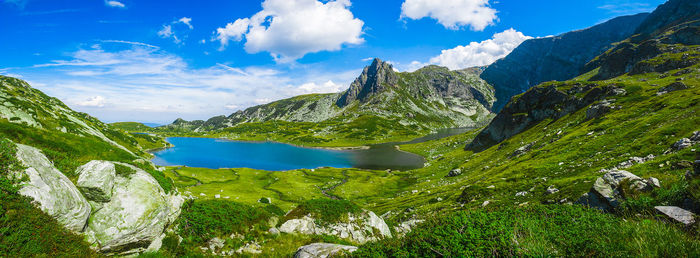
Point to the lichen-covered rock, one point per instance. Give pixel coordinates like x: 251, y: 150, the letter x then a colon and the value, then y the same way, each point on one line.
x: 454, y: 172
x: 677, y: 214
x: 53, y: 191
x: 322, y: 250
x: 606, y: 191
x: 135, y: 215
x: 672, y: 87
x: 360, y: 227
x: 599, y: 109
x: 96, y: 179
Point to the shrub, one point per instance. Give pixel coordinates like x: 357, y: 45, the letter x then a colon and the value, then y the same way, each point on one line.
x: 326, y: 210
x: 203, y: 220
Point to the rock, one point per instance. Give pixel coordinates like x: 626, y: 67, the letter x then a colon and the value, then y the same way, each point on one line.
x: 672, y: 87
x: 599, y: 109
x: 135, y: 215
x: 607, y: 189
x: 361, y: 227
x: 273, y: 231
x: 677, y: 214
x: 634, y: 160
x: 52, y: 190
x: 524, y: 193
x: 454, y: 172
x: 552, y: 190
x: 322, y: 250
x: 215, y: 244
x: 405, y: 227
x: 96, y: 179
x: 654, y: 182
x: 250, y: 248
x: 485, y: 203
x: 682, y: 144
x: 522, y: 150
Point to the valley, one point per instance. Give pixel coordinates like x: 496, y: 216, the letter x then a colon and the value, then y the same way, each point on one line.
x: 591, y: 149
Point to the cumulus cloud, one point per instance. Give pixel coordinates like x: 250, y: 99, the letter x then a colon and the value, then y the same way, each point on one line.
x: 115, y: 4
x: 96, y: 101
x: 481, y: 53
x: 146, y: 83
x: 177, y: 35
x: 290, y: 29
x: 453, y: 14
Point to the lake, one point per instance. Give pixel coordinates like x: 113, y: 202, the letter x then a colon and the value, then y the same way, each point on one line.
x: 220, y: 153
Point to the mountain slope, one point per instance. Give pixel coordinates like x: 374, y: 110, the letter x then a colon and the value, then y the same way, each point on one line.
x: 555, y: 58
x: 404, y: 105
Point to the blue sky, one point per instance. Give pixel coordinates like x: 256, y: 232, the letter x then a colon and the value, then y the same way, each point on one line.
x: 154, y: 61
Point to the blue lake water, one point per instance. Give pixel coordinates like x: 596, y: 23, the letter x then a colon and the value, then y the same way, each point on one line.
x: 219, y: 153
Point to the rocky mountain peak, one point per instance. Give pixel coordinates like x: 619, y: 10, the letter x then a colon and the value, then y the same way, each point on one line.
x: 669, y: 14
x: 374, y: 79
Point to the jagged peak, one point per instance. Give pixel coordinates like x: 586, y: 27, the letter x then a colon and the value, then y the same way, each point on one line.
x: 374, y: 79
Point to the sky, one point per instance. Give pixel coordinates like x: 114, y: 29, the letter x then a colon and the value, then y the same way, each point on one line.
x: 155, y: 61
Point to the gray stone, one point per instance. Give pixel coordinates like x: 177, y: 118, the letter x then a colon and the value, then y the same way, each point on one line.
x: 361, y: 227
x: 605, y: 193
x: 135, y: 215
x: 551, y: 189
x: 672, y: 87
x: 322, y: 250
x: 454, y: 172
x: 273, y: 231
x: 53, y: 191
x: 654, y: 182
x: 96, y: 179
x: 599, y: 109
x: 677, y: 214
x: 682, y: 144
x: 215, y: 243
x: 523, y: 193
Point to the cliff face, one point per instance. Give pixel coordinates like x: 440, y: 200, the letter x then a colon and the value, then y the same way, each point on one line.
x: 555, y: 58
x: 373, y: 79
x: 669, y: 14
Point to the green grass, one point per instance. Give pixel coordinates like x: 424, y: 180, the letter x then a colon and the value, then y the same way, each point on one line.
x: 552, y: 230
x: 325, y: 210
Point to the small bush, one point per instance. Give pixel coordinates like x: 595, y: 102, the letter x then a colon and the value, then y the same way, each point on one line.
x: 123, y: 171
x: 204, y: 220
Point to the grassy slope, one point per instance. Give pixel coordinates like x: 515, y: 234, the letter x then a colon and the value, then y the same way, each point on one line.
x: 567, y: 154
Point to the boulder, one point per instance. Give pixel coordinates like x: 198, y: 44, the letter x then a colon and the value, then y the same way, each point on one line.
x: 599, y: 109
x: 605, y: 193
x: 322, y: 250
x: 360, y: 227
x: 677, y: 214
x: 96, y: 179
x: 405, y: 227
x: 682, y: 144
x: 135, y: 215
x: 552, y: 190
x: 53, y: 191
x: 672, y: 87
x: 454, y: 172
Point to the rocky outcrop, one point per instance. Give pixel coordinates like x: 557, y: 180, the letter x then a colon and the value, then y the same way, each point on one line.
x: 672, y: 87
x: 374, y: 79
x: 135, y: 213
x: 323, y: 250
x: 555, y: 58
x: 599, y: 109
x: 669, y: 14
x: 537, y: 104
x: 51, y: 190
x: 360, y: 227
x: 608, y: 191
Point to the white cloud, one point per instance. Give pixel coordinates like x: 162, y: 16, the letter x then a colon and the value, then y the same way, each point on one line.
x: 186, y: 21
x: 481, y: 53
x: 145, y: 83
x: 452, y: 14
x: 116, y: 4
x: 290, y: 29
x: 624, y: 7
x: 170, y: 30
x: 96, y: 101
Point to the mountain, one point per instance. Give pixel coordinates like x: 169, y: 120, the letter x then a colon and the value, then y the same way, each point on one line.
x: 668, y: 48
x: 399, y: 102
x: 555, y: 58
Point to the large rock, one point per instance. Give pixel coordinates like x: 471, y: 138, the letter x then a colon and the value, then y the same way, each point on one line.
x: 96, y: 179
x: 606, y: 193
x: 322, y: 250
x: 53, y: 191
x: 599, y: 109
x: 677, y: 214
x: 136, y: 213
x: 361, y: 227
